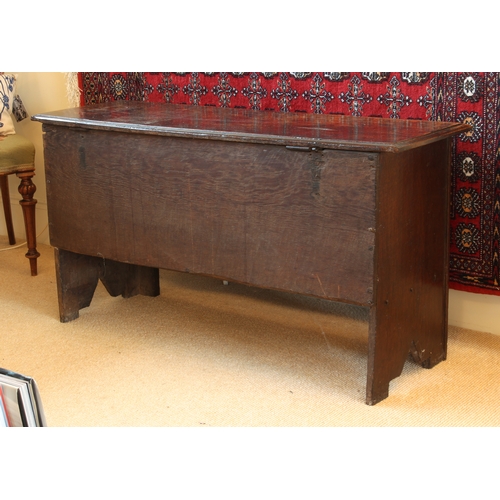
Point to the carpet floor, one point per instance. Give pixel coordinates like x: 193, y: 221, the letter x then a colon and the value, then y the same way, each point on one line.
x: 207, y: 354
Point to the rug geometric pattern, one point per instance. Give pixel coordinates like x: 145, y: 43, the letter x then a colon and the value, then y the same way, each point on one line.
x: 472, y: 98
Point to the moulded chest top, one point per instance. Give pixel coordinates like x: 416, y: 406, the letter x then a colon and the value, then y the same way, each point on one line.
x: 265, y: 127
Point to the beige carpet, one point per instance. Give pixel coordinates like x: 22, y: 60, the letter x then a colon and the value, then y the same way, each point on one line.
x: 205, y: 354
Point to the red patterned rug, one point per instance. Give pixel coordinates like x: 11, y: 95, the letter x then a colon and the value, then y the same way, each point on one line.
x: 463, y: 97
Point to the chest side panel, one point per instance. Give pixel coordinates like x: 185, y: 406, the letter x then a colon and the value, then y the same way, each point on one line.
x: 253, y: 213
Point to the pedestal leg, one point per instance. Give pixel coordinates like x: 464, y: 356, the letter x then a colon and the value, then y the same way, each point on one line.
x: 128, y: 280
x: 77, y: 276
x: 410, y: 306
x: 387, y: 353
x: 27, y: 190
x: 400, y: 329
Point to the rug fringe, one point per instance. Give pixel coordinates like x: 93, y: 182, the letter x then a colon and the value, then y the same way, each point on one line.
x: 72, y: 89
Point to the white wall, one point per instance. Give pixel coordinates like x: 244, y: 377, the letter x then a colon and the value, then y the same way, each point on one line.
x: 43, y: 92
x: 40, y: 92
x: 474, y: 311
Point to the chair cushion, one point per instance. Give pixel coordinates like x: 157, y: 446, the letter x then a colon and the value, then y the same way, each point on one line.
x: 7, y: 90
x: 16, y: 154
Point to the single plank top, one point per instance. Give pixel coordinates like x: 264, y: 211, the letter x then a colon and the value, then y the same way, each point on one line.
x: 265, y: 127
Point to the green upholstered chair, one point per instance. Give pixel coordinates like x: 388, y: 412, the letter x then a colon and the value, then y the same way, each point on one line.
x: 17, y: 156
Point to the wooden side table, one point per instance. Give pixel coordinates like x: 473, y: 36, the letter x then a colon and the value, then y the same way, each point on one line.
x: 343, y: 208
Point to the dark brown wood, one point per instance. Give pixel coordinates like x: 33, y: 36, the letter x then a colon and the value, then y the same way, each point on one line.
x: 336, y: 207
x: 241, y: 125
x: 27, y: 189
x: 410, y: 312
x: 77, y: 276
x: 156, y: 207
